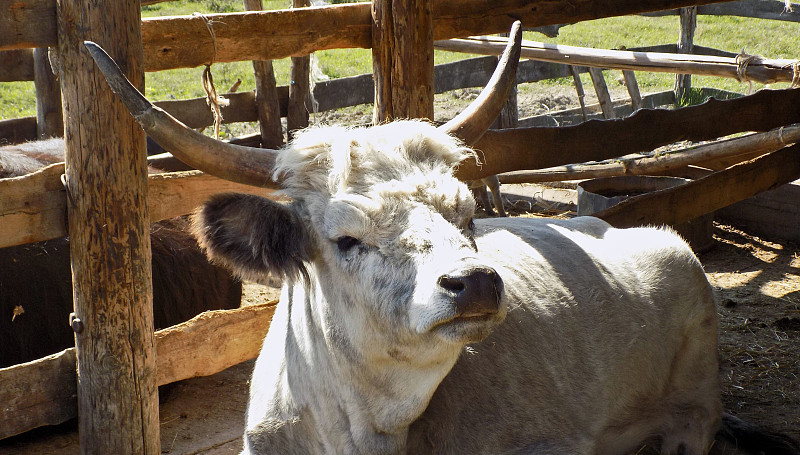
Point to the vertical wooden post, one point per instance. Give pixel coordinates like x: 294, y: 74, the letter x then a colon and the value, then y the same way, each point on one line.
x: 633, y: 89
x: 106, y: 179
x: 49, y: 121
x: 683, y: 82
x: 601, y: 89
x: 299, y: 87
x: 402, y: 56
x: 576, y: 79
x: 269, y: 109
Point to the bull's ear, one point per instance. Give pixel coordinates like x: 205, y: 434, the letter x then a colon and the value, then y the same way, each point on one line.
x: 253, y: 236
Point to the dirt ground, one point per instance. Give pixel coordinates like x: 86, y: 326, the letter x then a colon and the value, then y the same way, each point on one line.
x: 757, y: 281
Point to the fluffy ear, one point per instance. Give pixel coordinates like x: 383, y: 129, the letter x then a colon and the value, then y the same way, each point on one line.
x: 253, y: 236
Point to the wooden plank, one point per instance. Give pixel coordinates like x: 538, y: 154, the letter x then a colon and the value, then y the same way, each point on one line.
x: 16, y: 65
x: 762, y: 70
x: 178, y: 42
x: 43, y: 392
x: 576, y: 81
x: 541, y: 147
x: 15, y: 131
x: 49, y: 120
x: 33, y: 207
x: 707, y: 194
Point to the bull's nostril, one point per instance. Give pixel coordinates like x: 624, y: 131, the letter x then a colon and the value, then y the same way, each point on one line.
x: 451, y: 284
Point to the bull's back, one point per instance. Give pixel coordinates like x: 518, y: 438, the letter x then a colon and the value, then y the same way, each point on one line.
x: 596, y: 317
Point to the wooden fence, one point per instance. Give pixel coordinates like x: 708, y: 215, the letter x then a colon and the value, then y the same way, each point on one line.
x: 33, y: 207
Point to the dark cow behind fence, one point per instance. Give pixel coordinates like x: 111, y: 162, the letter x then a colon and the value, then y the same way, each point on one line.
x: 36, y: 282
x: 406, y: 326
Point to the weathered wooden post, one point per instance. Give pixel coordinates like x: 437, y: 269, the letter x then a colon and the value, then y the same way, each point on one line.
x: 106, y: 180
x: 299, y: 87
x: 49, y: 121
x: 402, y: 56
x: 683, y: 82
x: 269, y: 110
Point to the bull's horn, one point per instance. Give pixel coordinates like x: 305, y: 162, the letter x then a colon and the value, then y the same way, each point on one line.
x: 248, y: 165
x: 471, y: 123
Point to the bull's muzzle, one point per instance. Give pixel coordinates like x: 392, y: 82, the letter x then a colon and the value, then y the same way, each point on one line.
x: 476, y: 291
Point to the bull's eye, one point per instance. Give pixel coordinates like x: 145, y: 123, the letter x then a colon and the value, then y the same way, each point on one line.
x: 346, y: 243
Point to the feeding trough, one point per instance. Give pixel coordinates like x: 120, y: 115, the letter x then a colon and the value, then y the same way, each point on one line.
x: 598, y: 194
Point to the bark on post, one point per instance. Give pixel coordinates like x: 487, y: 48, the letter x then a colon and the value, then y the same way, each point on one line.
x: 683, y: 82
x: 402, y: 55
x: 299, y: 87
x: 106, y: 178
x: 269, y: 110
x: 49, y: 121
x: 601, y: 89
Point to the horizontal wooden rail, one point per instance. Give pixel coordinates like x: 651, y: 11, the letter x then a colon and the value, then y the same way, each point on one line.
x: 184, y: 41
x: 647, y: 129
x: 746, y: 147
x: 33, y: 207
x: 43, y: 392
x: 757, y: 9
x: 746, y: 68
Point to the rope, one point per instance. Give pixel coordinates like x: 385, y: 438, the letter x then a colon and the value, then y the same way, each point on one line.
x: 213, y: 100
x: 742, y: 60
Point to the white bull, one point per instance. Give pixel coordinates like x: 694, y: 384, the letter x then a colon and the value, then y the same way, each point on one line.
x: 404, y: 327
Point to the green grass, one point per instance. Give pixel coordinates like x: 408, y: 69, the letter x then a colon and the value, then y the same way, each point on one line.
x: 771, y: 39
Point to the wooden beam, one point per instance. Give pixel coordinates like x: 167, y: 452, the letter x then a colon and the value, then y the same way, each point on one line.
x: 33, y: 206
x: 633, y: 89
x: 16, y: 65
x: 542, y: 147
x: 733, y: 150
x: 601, y: 89
x: 299, y: 87
x: 707, y: 194
x: 267, y: 103
x: 184, y: 41
x: 43, y: 392
x: 14, y: 131
x: 49, y: 120
x: 109, y: 233
x: 762, y: 70
x: 683, y: 82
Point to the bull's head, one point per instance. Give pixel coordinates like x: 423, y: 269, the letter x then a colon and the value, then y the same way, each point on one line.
x: 377, y: 224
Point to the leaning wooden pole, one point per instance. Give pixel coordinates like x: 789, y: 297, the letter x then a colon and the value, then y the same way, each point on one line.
x: 402, y: 55
x: 106, y: 181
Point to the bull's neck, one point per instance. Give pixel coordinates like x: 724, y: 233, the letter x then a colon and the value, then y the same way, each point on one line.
x: 358, y: 406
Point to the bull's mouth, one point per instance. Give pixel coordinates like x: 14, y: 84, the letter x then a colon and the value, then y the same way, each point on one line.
x: 468, y: 327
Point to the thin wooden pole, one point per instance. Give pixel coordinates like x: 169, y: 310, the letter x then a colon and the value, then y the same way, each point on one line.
x: 269, y: 111
x: 402, y: 55
x: 603, y: 97
x: 299, y: 87
x: 683, y: 81
x: 49, y: 121
x: 106, y: 180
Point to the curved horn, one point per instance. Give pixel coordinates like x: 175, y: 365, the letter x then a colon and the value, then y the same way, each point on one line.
x: 473, y: 121
x: 247, y: 165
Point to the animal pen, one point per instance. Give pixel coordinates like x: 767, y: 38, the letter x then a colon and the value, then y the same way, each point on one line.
x: 113, y: 392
